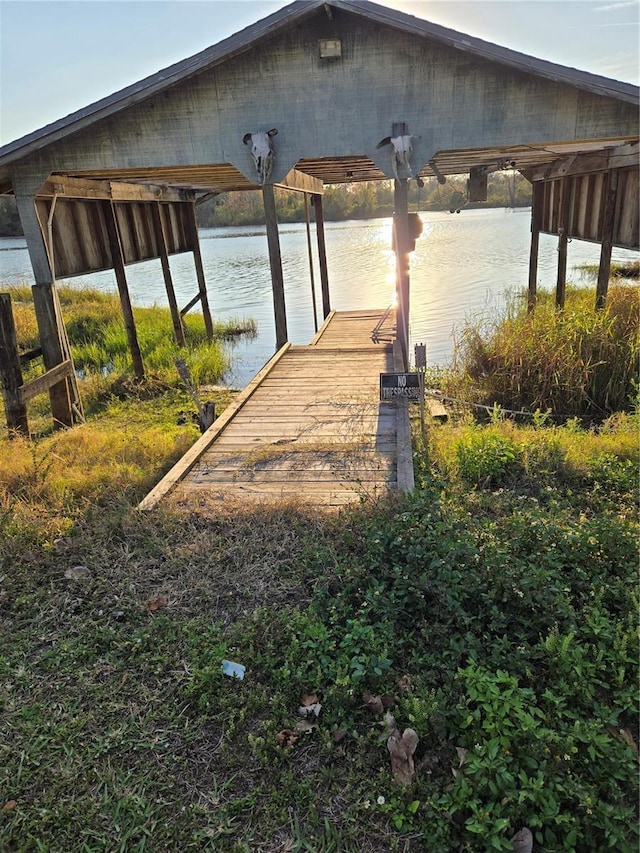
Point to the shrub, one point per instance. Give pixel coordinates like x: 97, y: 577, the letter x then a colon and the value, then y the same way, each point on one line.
x: 485, y: 458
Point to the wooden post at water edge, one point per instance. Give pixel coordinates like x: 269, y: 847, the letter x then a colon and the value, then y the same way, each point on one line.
x: 192, y: 223
x: 15, y: 408
x: 537, y: 198
x: 608, y: 214
x: 311, y: 275
x: 322, y: 255
x: 563, y: 239
x: 275, y: 261
x: 121, y: 280
x: 161, y: 240
x: 401, y: 231
x: 60, y: 394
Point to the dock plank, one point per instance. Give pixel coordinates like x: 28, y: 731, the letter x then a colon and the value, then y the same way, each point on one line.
x: 309, y: 427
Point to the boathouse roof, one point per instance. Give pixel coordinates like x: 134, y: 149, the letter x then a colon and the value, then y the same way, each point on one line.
x: 334, y: 12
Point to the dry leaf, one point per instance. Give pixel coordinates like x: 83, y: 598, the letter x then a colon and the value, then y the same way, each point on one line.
x: 310, y: 699
x: 10, y: 805
x: 388, y: 701
x: 401, y: 749
x: 522, y: 841
x: 310, y: 710
x: 157, y: 604
x: 462, y: 757
x: 286, y: 738
x: 305, y: 726
x: 373, y: 703
x: 339, y: 734
x: 77, y: 573
x: 625, y: 735
x: 404, y: 683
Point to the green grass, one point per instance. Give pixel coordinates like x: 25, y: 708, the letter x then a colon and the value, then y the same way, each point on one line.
x: 626, y: 269
x: 100, y: 349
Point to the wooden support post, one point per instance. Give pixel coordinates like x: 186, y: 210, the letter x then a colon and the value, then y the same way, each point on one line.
x: 563, y: 239
x: 161, y: 240
x: 10, y: 372
x: 60, y: 394
x: 121, y: 279
x: 401, y: 232
x: 322, y: 256
x: 313, y: 283
x: 537, y: 200
x: 33, y: 232
x: 192, y: 225
x: 608, y: 214
x: 275, y: 261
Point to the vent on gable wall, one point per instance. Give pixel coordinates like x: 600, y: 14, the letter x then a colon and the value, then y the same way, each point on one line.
x: 330, y: 49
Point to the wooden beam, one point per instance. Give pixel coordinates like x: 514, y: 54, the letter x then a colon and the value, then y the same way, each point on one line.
x: 310, y: 254
x: 44, y: 382
x: 121, y: 191
x: 404, y: 450
x: 275, y: 261
x: 88, y: 188
x: 123, y: 290
x: 608, y: 212
x: 537, y: 200
x: 60, y: 394
x: 322, y: 255
x: 35, y: 234
x: 563, y: 239
x: 10, y: 372
x: 161, y: 241
x: 301, y: 182
x: 620, y: 157
x: 625, y: 156
x: 190, y: 305
x: 401, y: 236
x: 192, y: 229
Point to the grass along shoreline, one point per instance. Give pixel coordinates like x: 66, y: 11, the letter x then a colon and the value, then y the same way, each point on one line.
x: 494, y: 612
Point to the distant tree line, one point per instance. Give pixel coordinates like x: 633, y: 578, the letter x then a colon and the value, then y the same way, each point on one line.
x: 365, y: 200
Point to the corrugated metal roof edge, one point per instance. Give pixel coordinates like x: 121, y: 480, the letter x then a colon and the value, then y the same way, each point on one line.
x: 266, y: 27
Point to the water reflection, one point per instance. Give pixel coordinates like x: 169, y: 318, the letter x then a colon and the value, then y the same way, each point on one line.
x: 463, y: 266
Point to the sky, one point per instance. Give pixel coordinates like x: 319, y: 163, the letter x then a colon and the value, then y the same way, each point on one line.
x: 57, y: 56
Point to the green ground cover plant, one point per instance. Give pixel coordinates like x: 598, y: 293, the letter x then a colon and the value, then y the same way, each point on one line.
x: 493, y: 613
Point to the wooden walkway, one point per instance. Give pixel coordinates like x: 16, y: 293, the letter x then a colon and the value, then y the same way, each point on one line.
x: 309, y: 427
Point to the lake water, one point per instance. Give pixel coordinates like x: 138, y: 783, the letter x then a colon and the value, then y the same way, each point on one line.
x: 464, y: 266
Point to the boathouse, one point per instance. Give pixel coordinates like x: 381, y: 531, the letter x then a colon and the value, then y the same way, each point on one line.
x: 317, y: 93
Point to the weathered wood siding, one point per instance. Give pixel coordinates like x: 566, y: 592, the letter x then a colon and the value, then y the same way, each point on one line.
x: 450, y: 100
x: 80, y: 239
x: 585, y: 207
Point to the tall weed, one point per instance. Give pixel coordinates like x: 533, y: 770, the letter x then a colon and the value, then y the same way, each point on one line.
x: 578, y: 362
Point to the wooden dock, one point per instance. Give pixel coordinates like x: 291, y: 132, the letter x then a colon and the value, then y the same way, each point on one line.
x: 309, y: 427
